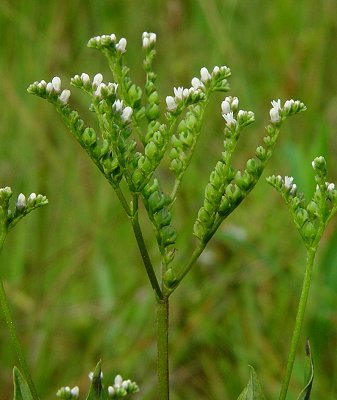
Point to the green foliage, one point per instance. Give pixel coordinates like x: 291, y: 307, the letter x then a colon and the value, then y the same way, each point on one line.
x: 306, y: 392
x: 21, y: 388
x: 253, y: 390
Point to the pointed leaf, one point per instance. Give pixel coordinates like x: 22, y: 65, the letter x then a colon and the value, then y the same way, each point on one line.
x: 253, y: 390
x: 21, y: 388
x: 96, y: 391
x: 305, y: 393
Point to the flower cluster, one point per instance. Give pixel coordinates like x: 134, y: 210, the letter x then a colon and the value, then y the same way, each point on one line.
x: 122, y: 388
x: 278, y: 113
x: 68, y: 394
x: 50, y: 91
x: 233, y: 117
x: 108, y: 41
x: 310, y: 217
x: 24, y: 206
x: 208, y: 82
x: 148, y: 39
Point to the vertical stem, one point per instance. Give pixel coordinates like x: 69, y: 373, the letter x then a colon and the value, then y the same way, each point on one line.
x: 299, y: 322
x: 162, y: 346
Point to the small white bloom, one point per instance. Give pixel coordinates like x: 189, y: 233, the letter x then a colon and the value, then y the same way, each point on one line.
x: 288, y: 104
x: 178, y: 92
x: 99, y: 88
x: 274, y: 115
x: 127, y: 113
x: 197, y: 84
x: 85, y: 78
x: 121, y: 46
x: 229, y: 118
x: 64, y: 96
x: 330, y: 186
x: 146, y: 42
x: 288, y: 182
x: 111, y: 391
x: 98, y: 79
x: 225, y: 107
x: 31, y: 197
x: 118, y: 381
x: 235, y: 103
x: 49, y: 87
x: 118, y: 105
x: 171, y: 103
x: 113, y: 37
x: 152, y: 37
x: 216, y: 70
x: 56, y: 82
x: 293, y: 189
x: 75, y: 391
x: 187, y: 92
x: 204, y: 74
x: 21, y: 202
x: 276, y: 104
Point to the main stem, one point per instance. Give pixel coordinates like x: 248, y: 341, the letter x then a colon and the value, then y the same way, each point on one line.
x: 299, y: 322
x: 162, y: 347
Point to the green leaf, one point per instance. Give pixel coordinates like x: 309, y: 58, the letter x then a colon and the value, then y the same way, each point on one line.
x: 253, y: 390
x: 21, y: 388
x: 96, y: 391
x: 305, y: 393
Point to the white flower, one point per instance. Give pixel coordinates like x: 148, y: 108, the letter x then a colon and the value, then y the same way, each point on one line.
x: 288, y: 104
x: 98, y: 79
x: 121, y: 46
x: 49, y: 87
x: 225, y: 107
x: 113, y: 37
x: 127, y: 113
x: 229, y: 118
x: 56, y: 82
x: 288, y: 182
x: 330, y: 186
x: 21, y: 202
x: 178, y: 92
x: 64, y: 96
x: 31, y: 198
x: 216, y: 70
x: 85, y: 78
x: 75, y: 391
x: 99, y: 88
x: 235, y: 103
x: 197, y: 84
x: 204, y: 74
x: 274, y: 112
x: 118, y: 381
x: 111, y: 391
x: 148, y: 39
x: 118, y: 105
x: 171, y: 103
x: 293, y: 189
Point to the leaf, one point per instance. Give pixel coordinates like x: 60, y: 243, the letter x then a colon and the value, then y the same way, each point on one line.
x: 96, y: 391
x: 21, y: 388
x: 253, y: 390
x: 305, y: 393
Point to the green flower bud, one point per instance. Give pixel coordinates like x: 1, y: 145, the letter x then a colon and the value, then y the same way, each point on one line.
x: 135, y: 94
x: 261, y: 153
x: 152, y: 112
x: 199, y: 230
x: 309, y: 232
x: 151, y: 150
x: 154, y: 98
x: 313, y: 209
x: 301, y: 217
x: 157, y: 201
x: 162, y: 217
x: 170, y: 279
x: 89, y: 137
x: 168, y: 235
x: 254, y: 166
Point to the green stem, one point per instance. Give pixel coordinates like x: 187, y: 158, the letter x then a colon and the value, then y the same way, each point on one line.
x: 299, y: 321
x: 162, y: 346
x: 143, y: 250
x: 12, y: 330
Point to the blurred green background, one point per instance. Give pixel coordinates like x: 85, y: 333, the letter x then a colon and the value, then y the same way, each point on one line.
x: 72, y: 271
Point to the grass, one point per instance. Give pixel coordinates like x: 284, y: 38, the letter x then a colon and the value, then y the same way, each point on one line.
x: 72, y: 270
